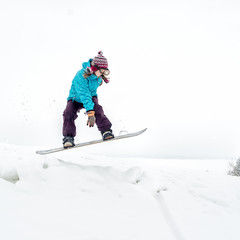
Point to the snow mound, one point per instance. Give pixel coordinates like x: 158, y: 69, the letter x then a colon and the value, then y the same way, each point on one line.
x: 74, y: 196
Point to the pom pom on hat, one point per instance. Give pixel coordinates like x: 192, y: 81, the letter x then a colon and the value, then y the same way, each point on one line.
x: 100, y: 61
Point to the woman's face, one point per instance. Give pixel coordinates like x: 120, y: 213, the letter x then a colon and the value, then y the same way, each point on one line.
x: 98, y: 73
x: 101, y: 71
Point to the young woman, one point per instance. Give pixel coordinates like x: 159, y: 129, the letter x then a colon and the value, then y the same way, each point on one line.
x: 83, y: 94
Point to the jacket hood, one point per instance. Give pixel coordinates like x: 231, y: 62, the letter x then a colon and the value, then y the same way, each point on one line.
x: 87, y: 64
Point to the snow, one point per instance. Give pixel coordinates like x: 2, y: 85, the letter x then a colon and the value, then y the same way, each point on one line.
x: 174, y: 69
x: 76, y: 195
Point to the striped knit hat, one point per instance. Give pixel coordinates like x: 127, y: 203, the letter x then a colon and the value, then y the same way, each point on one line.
x: 100, y: 61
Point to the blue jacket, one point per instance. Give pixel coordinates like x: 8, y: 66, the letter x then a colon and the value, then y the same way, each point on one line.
x: 83, y: 89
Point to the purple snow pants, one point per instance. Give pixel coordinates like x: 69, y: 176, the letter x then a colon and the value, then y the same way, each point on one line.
x: 70, y: 115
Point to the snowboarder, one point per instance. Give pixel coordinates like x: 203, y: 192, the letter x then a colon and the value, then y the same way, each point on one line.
x: 83, y: 94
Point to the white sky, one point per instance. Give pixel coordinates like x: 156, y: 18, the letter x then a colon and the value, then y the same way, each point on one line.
x: 174, y: 69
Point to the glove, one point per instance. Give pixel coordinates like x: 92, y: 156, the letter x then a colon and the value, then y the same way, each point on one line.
x: 91, y: 118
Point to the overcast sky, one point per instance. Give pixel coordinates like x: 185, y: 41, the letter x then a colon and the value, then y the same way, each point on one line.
x: 174, y: 69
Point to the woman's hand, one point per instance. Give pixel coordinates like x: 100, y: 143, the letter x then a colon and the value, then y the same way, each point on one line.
x: 91, y: 118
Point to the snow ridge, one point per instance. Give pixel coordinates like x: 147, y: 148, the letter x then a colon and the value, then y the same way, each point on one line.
x: 81, y: 196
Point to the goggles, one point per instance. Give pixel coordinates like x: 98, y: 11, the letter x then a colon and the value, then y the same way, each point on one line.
x: 103, y: 71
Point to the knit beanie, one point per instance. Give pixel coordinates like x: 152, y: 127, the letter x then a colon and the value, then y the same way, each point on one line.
x: 100, y: 61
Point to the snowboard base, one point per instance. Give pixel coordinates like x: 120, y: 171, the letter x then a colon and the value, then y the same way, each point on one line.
x: 44, y: 152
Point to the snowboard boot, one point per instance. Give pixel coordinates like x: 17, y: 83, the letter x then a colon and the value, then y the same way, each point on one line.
x: 106, y: 135
x: 68, y: 142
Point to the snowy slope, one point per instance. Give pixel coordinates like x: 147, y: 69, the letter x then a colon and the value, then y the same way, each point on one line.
x: 174, y: 69
x: 75, y: 195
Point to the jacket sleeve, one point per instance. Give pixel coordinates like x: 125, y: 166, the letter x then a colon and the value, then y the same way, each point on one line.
x: 82, y: 90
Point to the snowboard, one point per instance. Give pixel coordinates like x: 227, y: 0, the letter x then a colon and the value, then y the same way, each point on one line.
x: 54, y: 150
